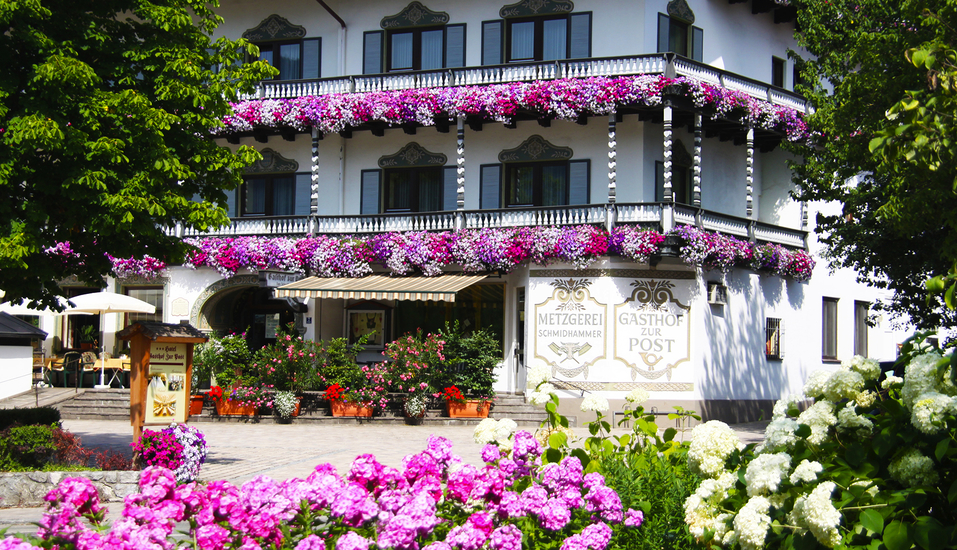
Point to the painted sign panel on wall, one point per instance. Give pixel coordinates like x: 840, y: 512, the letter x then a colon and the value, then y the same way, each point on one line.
x: 613, y: 330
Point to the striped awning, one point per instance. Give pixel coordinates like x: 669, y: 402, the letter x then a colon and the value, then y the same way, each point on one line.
x: 382, y: 287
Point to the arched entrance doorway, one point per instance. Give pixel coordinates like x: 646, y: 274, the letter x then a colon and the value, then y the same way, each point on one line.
x: 250, y: 309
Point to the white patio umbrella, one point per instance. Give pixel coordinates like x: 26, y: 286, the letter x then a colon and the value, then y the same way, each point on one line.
x: 107, y: 302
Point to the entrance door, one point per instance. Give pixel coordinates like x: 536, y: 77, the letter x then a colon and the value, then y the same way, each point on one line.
x: 520, y: 378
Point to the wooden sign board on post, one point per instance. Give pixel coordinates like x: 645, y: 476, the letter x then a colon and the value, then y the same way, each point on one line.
x: 161, y: 368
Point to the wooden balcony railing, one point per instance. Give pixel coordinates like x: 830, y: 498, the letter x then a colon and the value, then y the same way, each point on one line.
x: 660, y: 216
x: 658, y: 63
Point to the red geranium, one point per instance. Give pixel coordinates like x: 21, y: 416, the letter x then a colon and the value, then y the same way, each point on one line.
x: 335, y: 392
x: 215, y: 393
x: 452, y: 393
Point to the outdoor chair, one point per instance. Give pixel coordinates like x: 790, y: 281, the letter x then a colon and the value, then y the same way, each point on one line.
x: 70, y: 366
x: 88, y: 370
x: 39, y: 370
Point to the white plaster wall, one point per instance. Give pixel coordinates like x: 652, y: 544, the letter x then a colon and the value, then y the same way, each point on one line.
x: 618, y: 28
x: 16, y: 370
x: 775, y: 204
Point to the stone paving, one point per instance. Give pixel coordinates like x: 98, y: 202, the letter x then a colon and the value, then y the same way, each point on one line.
x: 239, y: 452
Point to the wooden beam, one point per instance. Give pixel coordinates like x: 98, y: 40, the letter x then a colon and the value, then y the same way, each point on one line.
x: 545, y: 122
x: 346, y: 133
x: 378, y: 131
x: 232, y: 138
x: 582, y: 120
x: 441, y: 127
x: 408, y: 129
x: 261, y: 136
x: 511, y: 124
x: 288, y: 134
x: 475, y: 124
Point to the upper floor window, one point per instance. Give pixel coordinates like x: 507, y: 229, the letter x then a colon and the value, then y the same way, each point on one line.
x: 285, y: 47
x: 536, y: 173
x: 860, y: 327
x: 829, y: 329
x: 150, y: 294
x: 272, y: 187
x: 411, y: 180
x: 778, y: 70
x: 677, y: 33
x: 681, y: 176
x: 414, y: 39
x: 536, y: 30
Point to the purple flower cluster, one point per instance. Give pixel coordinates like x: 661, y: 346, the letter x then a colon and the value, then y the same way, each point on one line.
x: 561, y: 99
x: 178, y: 447
x: 435, y: 502
x: 147, y: 267
x: 476, y: 250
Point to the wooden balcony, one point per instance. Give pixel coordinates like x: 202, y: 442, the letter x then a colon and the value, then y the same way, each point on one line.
x: 667, y: 64
x: 659, y: 216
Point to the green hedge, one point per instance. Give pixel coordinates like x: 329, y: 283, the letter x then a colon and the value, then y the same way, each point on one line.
x: 43, y: 416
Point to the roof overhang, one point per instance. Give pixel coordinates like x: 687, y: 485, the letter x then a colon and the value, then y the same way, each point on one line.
x: 382, y: 287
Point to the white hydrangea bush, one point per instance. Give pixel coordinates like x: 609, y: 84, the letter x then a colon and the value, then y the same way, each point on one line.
x: 870, y: 462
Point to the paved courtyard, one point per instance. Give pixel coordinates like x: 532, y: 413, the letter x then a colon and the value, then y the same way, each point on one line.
x: 238, y: 452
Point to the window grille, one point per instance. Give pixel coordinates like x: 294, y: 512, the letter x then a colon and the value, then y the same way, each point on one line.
x: 774, y: 338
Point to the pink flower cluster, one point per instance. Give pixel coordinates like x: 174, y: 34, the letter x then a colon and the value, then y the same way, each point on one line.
x: 147, y: 267
x: 434, y: 503
x: 561, y: 99
x: 718, y: 251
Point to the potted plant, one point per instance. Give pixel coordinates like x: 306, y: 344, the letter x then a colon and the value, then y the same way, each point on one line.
x: 460, y: 407
x: 88, y: 337
x: 470, y: 361
x: 344, y: 404
x: 285, y: 404
x: 414, y: 407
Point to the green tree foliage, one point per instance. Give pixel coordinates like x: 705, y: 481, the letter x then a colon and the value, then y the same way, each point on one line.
x: 884, y: 123
x: 106, y: 108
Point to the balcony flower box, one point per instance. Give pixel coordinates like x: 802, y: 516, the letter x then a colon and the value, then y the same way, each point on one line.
x: 226, y: 407
x: 469, y: 409
x: 341, y: 407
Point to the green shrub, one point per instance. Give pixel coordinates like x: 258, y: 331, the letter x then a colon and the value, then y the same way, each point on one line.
x: 223, y: 358
x: 470, y: 361
x: 44, y: 416
x: 338, y: 363
x: 658, y: 485
x: 26, y: 447
x: 290, y: 364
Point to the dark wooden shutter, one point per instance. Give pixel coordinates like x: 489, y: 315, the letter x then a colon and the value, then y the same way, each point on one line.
x: 579, y: 176
x: 659, y: 181
x: 450, y: 188
x: 372, y: 52
x: 311, y: 58
x: 579, y: 43
x: 303, y: 197
x: 697, y: 44
x: 231, y: 201
x: 369, y: 203
x: 664, y: 29
x: 491, y: 176
x: 492, y: 42
x: 455, y: 46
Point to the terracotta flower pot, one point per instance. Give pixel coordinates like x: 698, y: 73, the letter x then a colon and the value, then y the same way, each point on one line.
x: 226, y: 407
x: 345, y: 408
x: 469, y: 409
x: 195, y: 404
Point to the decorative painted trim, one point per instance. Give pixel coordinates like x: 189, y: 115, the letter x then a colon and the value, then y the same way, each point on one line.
x: 137, y: 280
x: 679, y: 9
x: 211, y: 290
x: 535, y: 148
x: 749, y: 173
x: 460, y: 163
x: 696, y: 163
x: 623, y: 386
x: 274, y: 27
x: 414, y: 15
x: 527, y: 8
x: 612, y: 156
x: 667, y: 142
x: 272, y: 163
x: 412, y: 154
x: 314, y: 177
x: 625, y: 273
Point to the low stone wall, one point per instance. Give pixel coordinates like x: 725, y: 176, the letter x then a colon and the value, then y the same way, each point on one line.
x: 27, y: 489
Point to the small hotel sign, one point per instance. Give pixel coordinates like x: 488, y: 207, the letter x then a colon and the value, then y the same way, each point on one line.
x: 276, y: 279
